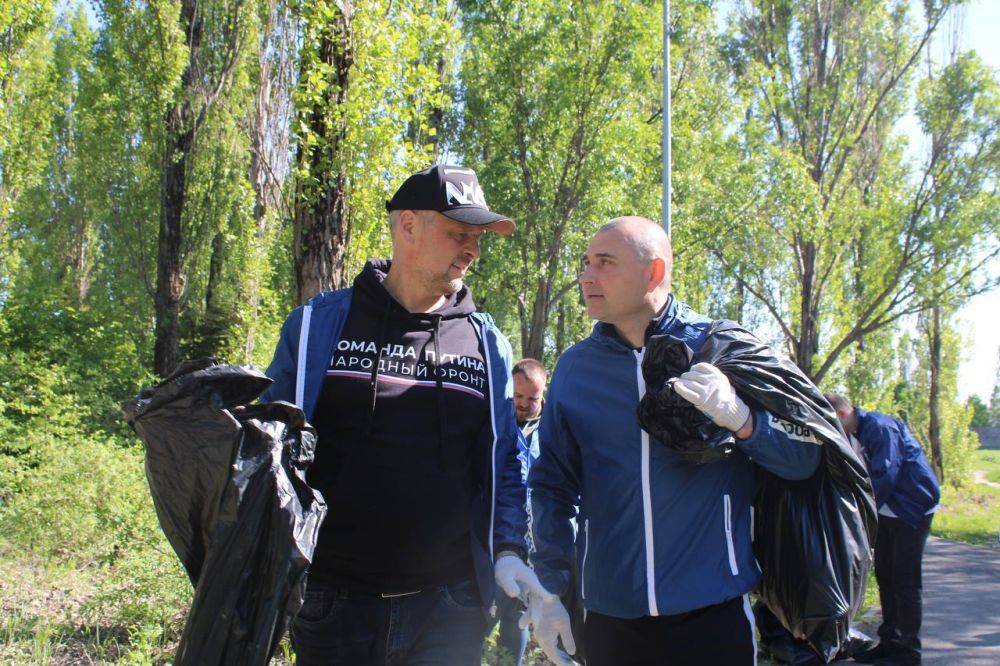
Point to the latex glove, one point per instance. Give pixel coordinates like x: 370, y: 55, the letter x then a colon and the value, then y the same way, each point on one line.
x: 705, y: 387
x: 517, y: 579
x: 549, y: 622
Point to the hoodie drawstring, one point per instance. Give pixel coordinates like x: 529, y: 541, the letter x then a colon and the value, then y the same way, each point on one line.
x: 373, y: 382
x: 440, y: 393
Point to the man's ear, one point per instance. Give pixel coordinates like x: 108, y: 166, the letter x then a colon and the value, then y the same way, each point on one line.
x: 657, y: 273
x: 408, y: 221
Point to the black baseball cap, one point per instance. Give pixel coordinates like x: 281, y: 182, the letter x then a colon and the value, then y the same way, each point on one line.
x: 454, y: 192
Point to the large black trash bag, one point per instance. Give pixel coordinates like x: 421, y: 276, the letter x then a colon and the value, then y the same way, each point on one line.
x: 228, y: 485
x: 669, y: 418
x: 780, y: 645
x: 812, y: 538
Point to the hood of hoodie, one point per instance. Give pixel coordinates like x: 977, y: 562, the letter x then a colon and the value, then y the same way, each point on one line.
x: 370, y: 292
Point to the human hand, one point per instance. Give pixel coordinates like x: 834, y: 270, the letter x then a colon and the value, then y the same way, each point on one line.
x: 705, y: 387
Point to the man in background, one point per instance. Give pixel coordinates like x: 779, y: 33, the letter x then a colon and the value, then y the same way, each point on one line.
x: 529, y: 396
x: 529, y: 390
x: 907, y: 494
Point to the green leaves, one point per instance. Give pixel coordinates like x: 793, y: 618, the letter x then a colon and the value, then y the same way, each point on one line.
x: 798, y: 205
x: 556, y: 101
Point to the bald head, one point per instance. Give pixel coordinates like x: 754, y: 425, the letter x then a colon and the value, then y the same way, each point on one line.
x: 646, y: 237
x: 626, y: 276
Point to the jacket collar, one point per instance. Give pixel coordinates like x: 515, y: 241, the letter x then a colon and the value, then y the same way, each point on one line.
x: 606, y: 334
x: 864, y: 418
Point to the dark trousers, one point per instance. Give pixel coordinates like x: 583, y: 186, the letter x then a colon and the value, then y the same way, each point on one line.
x: 899, y: 554
x: 443, y: 626
x: 512, y: 638
x: 719, y: 634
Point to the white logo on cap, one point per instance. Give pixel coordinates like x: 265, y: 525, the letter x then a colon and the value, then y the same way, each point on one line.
x: 471, y: 194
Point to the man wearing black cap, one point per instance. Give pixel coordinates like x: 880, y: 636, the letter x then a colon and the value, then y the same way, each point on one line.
x: 409, y: 389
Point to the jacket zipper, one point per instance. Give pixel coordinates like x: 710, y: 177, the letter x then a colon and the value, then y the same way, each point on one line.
x: 647, y: 501
x: 300, y: 369
x: 727, y: 521
x: 493, y: 424
x: 583, y: 564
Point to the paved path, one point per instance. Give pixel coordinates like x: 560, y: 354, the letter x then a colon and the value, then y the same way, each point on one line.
x: 979, y: 476
x: 961, y: 604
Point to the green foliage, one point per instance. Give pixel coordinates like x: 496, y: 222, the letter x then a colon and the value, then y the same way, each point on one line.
x: 557, y: 98
x: 995, y: 401
x: 94, y: 362
x: 84, y: 515
x: 63, y: 373
x: 970, y: 514
x: 988, y: 462
x: 28, y: 86
x: 855, y: 235
x: 370, y: 120
x: 28, y: 394
x: 958, y: 443
x: 980, y: 412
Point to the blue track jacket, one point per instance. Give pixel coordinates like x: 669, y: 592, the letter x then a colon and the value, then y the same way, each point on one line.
x: 902, y: 478
x: 659, y: 536
x: 308, y: 339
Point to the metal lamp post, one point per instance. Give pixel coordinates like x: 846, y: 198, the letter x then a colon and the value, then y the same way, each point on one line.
x: 666, y: 116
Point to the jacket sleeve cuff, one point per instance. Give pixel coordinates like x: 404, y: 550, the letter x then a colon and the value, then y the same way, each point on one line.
x: 761, y: 431
x: 520, y: 551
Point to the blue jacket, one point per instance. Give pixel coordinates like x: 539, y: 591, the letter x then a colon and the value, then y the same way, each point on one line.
x: 659, y: 536
x: 902, y: 478
x: 498, y: 513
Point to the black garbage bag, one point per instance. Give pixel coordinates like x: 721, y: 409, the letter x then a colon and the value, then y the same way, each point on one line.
x: 228, y: 485
x: 778, y: 643
x: 669, y: 418
x: 812, y: 538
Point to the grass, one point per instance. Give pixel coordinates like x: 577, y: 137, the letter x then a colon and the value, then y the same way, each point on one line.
x: 972, y: 513
x: 989, y: 462
x: 86, y: 575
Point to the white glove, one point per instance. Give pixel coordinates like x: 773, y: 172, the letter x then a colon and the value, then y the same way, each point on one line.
x: 550, y: 622
x: 517, y: 579
x: 705, y: 387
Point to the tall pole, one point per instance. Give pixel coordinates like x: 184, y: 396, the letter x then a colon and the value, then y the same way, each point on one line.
x: 666, y: 116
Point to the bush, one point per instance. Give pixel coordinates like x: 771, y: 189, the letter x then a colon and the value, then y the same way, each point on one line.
x: 83, y: 362
x: 63, y: 374
x: 86, y: 506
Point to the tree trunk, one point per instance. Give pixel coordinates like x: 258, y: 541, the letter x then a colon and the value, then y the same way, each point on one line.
x: 535, y: 347
x: 170, y: 277
x: 215, y: 272
x: 934, y: 396
x: 809, y: 332
x: 561, y: 329
x: 438, y: 112
x: 321, y: 234
x: 269, y: 138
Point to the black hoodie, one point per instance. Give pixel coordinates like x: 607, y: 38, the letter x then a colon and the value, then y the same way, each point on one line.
x: 393, y: 457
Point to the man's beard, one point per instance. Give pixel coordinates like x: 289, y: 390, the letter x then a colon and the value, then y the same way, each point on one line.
x: 446, y: 286
x: 440, y: 283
